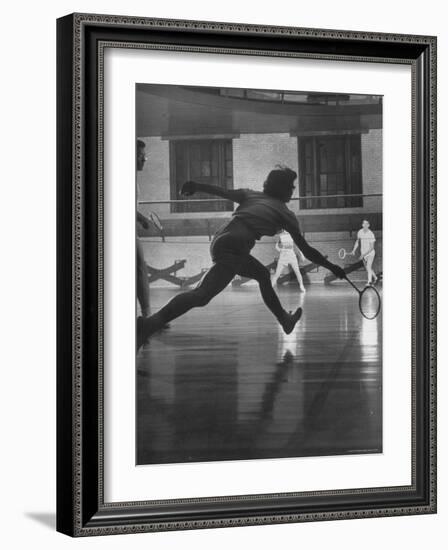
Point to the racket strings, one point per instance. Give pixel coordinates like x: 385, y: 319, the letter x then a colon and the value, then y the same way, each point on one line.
x: 369, y: 302
x: 156, y: 221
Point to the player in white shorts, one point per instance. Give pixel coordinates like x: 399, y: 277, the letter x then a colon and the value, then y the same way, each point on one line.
x: 366, y: 241
x: 287, y: 258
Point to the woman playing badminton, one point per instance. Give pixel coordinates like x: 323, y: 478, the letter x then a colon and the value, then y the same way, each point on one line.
x: 258, y: 214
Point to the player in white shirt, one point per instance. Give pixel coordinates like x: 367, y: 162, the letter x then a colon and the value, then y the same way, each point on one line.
x: 366, y: 241
x: 287, y: 258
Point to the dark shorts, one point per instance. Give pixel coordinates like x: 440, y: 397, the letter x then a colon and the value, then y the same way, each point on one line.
x: 232, y: 245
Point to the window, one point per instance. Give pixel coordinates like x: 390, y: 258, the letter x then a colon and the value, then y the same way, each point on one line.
x: 329, y: 166
x: 204, y: 161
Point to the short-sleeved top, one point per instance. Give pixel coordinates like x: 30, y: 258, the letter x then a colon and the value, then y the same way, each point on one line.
x: 366, y: 238
x: 263, y: 214
x: 286, y: 242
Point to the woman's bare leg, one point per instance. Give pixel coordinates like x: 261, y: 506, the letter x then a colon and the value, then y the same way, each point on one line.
x: 214, y: 282
x: 295, y: 267
x: 255, y: 270
x: 142, y: 281
x: 278, y: 271
x: 371, y: 275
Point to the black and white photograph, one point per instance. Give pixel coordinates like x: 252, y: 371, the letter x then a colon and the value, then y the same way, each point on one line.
x: 259, y: 267
x: 246, y: 276
x: 226, y: 336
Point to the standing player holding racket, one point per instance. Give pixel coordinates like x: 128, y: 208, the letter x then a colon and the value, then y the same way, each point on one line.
x: 259, y: 213
x: 366, y: 241
x: 142, y: 282
x: 287, y: 258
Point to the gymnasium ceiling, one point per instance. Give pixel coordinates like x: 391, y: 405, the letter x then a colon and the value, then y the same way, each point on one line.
x: 176, y: 111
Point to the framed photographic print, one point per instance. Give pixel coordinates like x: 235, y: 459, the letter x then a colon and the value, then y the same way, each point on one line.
x: 246, y: 274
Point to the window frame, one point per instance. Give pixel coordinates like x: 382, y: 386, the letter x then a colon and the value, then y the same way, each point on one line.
x: 351, y: 186
x: 186, y: 205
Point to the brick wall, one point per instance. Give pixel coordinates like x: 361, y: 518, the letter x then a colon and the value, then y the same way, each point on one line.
x: 255, y: 155
x: 372, y: 167
x: 153, y: 182
x: 371, y: 159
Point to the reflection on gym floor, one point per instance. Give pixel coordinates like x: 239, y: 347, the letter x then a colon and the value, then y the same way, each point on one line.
x: 225, y: 383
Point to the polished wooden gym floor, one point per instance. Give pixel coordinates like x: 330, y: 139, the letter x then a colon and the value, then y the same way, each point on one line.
x: 225, y: 383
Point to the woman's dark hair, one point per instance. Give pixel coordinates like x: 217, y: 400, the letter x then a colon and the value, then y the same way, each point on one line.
x: 140, y: 144
x: 279, y: 182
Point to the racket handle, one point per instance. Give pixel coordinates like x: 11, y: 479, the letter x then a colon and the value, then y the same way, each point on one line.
x: 352, y: 284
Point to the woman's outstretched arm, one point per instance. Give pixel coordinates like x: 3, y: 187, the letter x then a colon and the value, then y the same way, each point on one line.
x: 314, y: 255
x: 191, y: 187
